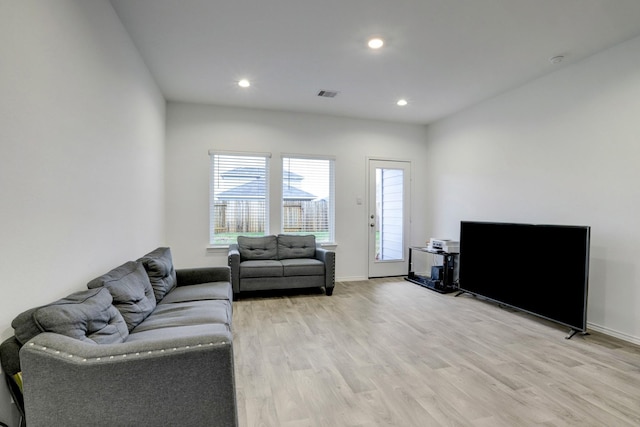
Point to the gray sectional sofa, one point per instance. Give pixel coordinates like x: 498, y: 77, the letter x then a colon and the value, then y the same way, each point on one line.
x: 145, y: 345
x: 280, y: 262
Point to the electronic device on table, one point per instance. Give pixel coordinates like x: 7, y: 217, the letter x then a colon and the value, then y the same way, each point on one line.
x: 443, y: 245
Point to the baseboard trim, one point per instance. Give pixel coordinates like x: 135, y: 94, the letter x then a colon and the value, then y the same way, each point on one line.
x: 351, y: 279
x: 616, y: 334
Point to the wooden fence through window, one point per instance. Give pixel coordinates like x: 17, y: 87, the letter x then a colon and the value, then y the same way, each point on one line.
x: 248, y: 216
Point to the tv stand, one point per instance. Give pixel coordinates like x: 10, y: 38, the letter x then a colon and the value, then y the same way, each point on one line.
x: 444, y: 284
x: 572, y: 332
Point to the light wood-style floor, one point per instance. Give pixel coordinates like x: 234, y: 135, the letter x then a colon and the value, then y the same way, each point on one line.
x: 386, y: 352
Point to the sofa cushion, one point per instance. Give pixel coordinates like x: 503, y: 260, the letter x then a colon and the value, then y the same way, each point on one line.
x: 202, y: 291
x: 176, y: 332
x: 187, y: 313
x: 86, y: 315
x: 162, y: 275
x: 290, y: 246
x: 254, y: 248
x: 261, y: 268
x: 131, y: 291
x: 302, y: 267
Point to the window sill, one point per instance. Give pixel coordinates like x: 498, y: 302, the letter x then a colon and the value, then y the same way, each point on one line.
x: 330, y: 246
x: 225, y: 248
x: 218, y: 248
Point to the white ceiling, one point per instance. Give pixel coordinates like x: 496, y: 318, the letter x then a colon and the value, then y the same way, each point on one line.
x: 441, y: 55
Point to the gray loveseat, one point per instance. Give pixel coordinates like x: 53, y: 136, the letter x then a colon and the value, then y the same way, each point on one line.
x: 145, y: 345
x: 280, y: 262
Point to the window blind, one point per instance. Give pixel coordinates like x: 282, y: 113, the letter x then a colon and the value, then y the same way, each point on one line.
x: 238, y: 196
x: 308, y: 196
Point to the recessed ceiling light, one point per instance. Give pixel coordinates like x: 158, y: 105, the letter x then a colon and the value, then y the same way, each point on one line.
x: 375, y: 43
x: 556, y: 59
x: 402, y: 102
x: 244, y: 83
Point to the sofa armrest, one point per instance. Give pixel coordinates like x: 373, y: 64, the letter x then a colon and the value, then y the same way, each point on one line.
x: 328, y: 257
x: 195, y: 276
x: 234, y: 264
x: 10, y: 362
x: 183, y: 381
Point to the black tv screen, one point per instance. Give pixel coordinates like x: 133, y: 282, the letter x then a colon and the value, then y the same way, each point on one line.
x: 540, y: 269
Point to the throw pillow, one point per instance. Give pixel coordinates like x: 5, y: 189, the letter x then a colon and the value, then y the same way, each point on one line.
x: 162, y: 275
x: 131, y: 291
x: 86, y: 315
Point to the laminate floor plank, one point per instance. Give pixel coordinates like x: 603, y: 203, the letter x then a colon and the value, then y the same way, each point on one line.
x: 386, y: 352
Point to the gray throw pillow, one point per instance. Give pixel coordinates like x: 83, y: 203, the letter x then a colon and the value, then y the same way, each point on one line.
x: 131, y: 291
x: 255, y: 248
x: 290, y: 246
x: 162, y: 274
x: 86, y: 315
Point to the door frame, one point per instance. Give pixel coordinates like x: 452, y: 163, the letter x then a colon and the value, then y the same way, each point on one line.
x: 399, y: 267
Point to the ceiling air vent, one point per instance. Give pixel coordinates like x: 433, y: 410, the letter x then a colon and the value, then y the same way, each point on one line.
x: 328, y: 93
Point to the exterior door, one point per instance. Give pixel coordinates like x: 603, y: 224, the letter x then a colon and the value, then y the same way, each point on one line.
x: 388, y: 217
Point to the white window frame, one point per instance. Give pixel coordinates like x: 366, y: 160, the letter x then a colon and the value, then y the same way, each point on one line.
x: 330, y: 197
x: 215, y: 179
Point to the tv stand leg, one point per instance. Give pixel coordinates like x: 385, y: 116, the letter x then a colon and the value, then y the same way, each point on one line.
x: 572, y: 332
x: 459, y: 293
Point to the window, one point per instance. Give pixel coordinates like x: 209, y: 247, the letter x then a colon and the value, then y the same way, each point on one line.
x: 238, y: 196
x: 308, y: 197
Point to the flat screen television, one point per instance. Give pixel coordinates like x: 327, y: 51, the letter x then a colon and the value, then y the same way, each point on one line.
x: 539, y: 269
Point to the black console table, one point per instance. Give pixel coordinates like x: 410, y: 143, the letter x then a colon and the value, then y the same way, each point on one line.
x: 443, y: 281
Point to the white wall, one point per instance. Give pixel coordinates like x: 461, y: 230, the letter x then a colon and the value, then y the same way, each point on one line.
x: 82, y: 159
x: 563, y: 150
x: 192, y: 130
